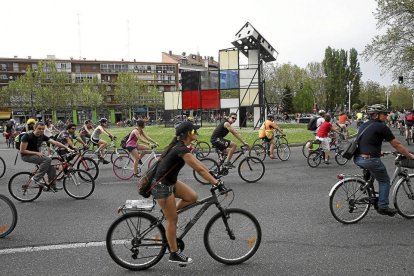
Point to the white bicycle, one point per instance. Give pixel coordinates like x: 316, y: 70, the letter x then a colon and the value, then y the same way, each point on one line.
x: 123, y: 166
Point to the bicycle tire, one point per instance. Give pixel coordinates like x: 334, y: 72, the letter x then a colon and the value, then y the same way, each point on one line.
x: 129, y: 236
x: 2, y: 167
x: 258, y: 141
x: 283, y: 152
x: 340, y: 160
x: 345, y: 198
x: 283, y: 140
x: 121, y: 152
x: 202, y: 150
x: 251, y: 169
x: 404, y: 197
x: 8, y: 217
x: 89, y: 165
x: 91, y: 154
x: 258, y: 151
x: 312, y: 147
x: 78, y: 184
x: 232, y: 250
x: 23, y: 188
x: 123, y: 167
x: 314, y: 159
x: 213, y: 168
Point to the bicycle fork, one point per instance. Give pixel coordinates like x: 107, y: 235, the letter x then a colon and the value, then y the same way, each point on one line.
x: 225, y: 216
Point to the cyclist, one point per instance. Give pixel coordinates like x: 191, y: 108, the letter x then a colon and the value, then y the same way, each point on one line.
x: 30, y: 152
x: 135, y: 142
x: 10, y: 130
x: 217, y: 138
x: 409, y: 122
x: 49, y: 132
x: 172, y: 161
x: 30, y: 124
x: 369, y: 152
x: 86, y: 130
x: 266, y: 133
x: 95, y: 138
x: 67, y: 136
x: 343, y: 122
x: 323, y: 136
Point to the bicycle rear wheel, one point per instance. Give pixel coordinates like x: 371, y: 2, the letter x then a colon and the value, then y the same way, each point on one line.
x: 314, y: 159
x: 23, y: 188
x: 8, y: 216
x: 123, y: 167
x: 78, y: 184
x: 202, y: 150
x: 251, y: 169
x: 213, y: 168
x: 2, y: 167
x: 233, y: 238
x: 404, y: 197
x: 349, y: 202
x: 258, y: 151
x: 283, y: 151
x: 135, y: 241
x: 309, y: 146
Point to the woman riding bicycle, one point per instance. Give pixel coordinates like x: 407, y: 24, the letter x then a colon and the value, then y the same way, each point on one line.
x: 95, y: 138
x: 134, y: 144
x: 172, y: 161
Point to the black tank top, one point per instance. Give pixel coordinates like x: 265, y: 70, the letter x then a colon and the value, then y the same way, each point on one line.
x: 219, y: 132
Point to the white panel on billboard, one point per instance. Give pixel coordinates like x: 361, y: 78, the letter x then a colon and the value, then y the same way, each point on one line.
x: 249, y: 97
x: 229, y: 103
x: 249, y: 77
x: 172, y: 100
x: 253, y: 58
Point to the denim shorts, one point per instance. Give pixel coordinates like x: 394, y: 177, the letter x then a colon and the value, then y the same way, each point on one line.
x: 131, y: 149
x: 161, y: 190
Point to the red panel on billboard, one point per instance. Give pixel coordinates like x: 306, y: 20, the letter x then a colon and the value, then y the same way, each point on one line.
x: 191, y: 100
x: 210, y: 99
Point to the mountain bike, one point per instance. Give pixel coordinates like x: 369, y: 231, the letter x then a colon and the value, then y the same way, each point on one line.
x: 250, y: 169
x: 261, y: 148
x: 111, y: 149
x: 315, y: 157
x: 8, y: 216
x: 123, y: 166
x: 352, y: 196
x: 137, y: 239
x: 82, y: 163
x: 78, y: 184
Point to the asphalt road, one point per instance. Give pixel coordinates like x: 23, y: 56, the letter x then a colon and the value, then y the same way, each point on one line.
x: 57, y: 235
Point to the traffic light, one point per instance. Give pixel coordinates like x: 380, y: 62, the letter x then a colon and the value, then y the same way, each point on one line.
x: 400, y: 79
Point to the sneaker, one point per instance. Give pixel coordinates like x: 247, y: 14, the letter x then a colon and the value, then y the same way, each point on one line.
x: 105, y: 161
x: 179, y: 257
x: 387, y: 211
x: 140, y: 162
x: 327, y: 162
x: 228, y: 165
x: 55, y: 189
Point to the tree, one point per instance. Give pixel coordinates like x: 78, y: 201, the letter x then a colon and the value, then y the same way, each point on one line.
x: 394, y: 50
x: 316, y: 82
x: 400, y: 97
x: 130, y: 92
x: 287, y: 100
x: 372, y: 93
x: 304, y: 99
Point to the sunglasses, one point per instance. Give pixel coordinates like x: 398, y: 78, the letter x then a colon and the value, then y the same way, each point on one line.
x: 234, y: 118
x: 73, y: 128
x: 193, y: 132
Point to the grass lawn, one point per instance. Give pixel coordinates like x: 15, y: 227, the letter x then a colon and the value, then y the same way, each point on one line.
x: 295, y: 134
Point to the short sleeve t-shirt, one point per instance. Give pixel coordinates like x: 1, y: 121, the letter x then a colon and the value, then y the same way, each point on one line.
x: 34, y: 142
x: 173, y: 159
x: 64, y: 135
x: 324, y: 129
x: 371, y: 140
x: 268, y: 125
x: 342, y: 119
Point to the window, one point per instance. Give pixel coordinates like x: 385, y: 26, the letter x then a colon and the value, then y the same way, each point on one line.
x: 3, y: 67
x: 15, y: 67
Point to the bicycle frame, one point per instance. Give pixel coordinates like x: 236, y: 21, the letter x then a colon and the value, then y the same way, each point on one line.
x: 239, y: 152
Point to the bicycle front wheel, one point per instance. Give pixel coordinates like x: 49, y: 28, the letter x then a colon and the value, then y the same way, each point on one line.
x: 91, y: 154
x: 251, y: 169
x: 404, y: 197
x: 202, y: 150
x: 349, y: 202
x: 258, y: 151
x: 2, y: 167
x: 117, y: 153
x: 339, y: 159
x: 23, y: 188
x: 314, y: 159
x: 89, y: 165
x: 283, y: 152
x: 232, y: 238
x: 78, y: 184
x: 212, y: 167
x: 8, y: 216
x: 123, y: 167
x: 135, y: 241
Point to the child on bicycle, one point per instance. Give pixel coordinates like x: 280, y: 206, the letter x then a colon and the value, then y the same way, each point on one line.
x: 135, y: 142
x: 266, y: 133
x: 172, y: 161
x: 323, y: 136
x: 95, y: 138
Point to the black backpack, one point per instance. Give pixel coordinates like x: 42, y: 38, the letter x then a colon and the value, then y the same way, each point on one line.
x: 312, y: 123
x: 125, y: 140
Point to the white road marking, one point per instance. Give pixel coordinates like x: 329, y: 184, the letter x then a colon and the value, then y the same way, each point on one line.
x: 50, y: 247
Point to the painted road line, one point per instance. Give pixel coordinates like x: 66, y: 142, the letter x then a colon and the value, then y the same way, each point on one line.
x: 51, y: 247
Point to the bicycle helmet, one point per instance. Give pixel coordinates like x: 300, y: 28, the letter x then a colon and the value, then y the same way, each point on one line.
x: 103, y: 120
x: 31, y: 121
x: 377, y: 108
x: 321, y: 112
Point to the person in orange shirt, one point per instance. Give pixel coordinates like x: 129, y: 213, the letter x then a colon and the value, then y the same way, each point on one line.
x: 343, y: 122
x: 266, y: 133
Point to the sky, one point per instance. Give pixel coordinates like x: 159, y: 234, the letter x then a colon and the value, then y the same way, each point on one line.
x: 300, y: 30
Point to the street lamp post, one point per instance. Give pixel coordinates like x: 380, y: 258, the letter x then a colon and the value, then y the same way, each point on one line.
x: 349, y: 96
x: 387, y: 93
x: 31, y: 95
